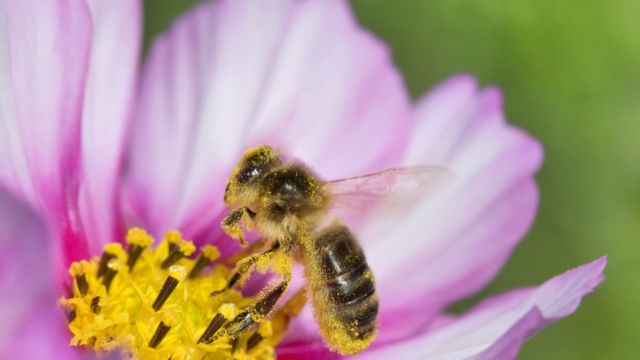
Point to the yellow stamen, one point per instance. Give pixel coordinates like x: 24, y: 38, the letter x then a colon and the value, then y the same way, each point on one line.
x: 158, y: 305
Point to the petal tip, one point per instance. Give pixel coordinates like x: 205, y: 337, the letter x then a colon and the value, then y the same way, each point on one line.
x: 561, y: 296
x: 462, y: 80
x: 598, y: 266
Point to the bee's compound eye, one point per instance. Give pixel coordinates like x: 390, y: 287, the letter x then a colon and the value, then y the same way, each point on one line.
x: 248, y: 174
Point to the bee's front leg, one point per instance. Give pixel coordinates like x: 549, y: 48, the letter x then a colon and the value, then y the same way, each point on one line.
x: 246, y: 265
x: 231, y: 223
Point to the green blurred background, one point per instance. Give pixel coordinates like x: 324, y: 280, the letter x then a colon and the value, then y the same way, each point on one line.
x: 570, y: 71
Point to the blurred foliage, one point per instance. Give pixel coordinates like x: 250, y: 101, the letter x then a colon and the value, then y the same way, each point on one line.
x: 159, y: 14
x: 570, y: 72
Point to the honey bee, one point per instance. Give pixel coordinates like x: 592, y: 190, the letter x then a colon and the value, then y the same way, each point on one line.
x: 288, y: 205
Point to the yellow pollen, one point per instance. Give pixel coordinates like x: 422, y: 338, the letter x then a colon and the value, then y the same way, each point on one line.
x: 155, y: 303
x: 211, y: 252
x: 137, y: 236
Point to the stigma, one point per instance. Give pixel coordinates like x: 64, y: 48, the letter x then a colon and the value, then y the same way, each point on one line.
x: 155, y: 303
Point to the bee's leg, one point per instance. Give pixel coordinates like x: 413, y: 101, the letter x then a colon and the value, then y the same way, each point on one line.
x: 260, y: 310
x: 244, y: 266
x: 281, y: 319
x: 251, y: 249
x: 231, y: 223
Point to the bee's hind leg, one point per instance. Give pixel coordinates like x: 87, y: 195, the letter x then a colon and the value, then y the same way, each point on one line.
x: 281, y: 319
x: 244, y: 266
x: 231, y: 223
x: 279, y: 322
x: 266, y: 301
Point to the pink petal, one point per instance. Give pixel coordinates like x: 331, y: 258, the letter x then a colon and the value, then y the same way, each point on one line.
x: 63, y: 146
x: 32, y: 325
x: 44, y: 47
x: 44, y: 52
x: 300, y: 75
x: 45, y: 335
x: 107, y: 107
x: 497, y: 328
x: 452, y: 244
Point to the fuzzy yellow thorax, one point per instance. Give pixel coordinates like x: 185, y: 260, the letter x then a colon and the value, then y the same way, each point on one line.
x: 155, y: 303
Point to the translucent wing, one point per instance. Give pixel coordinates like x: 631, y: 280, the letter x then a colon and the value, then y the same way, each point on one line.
x: 391, y: 187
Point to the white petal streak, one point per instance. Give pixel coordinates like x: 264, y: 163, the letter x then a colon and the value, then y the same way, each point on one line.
x: 107, y: 110
x: 44, y: 48
x: 44, y: 54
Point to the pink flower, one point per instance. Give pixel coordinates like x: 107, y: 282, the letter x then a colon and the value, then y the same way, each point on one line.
x: 88, y: 149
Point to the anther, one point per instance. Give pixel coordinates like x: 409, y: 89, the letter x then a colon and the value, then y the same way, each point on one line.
x: 110, y: 252
x: 254, y: 340
x: 108, y: 311
x: 71, y: 315
x: 264, y: 331
x: 209, y: 253
x: 212, y: 328
x: 178, y: 248
x: 112, y: 269
x: 134, y: 254
x: 138, y: 240
x: 161, y: 332
x: 104, y: 260
x: 83, y: 285
x: 176, y: 274
x: 234, y: 344
x: 78, y: 271
x: 168, y: 321
x: 95, y: 305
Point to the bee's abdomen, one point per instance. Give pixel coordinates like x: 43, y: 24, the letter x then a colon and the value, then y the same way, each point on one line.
x: 349, y: 283
x: 355, y: 300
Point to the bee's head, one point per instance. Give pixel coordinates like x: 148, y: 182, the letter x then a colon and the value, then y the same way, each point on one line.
x: 243, y: 185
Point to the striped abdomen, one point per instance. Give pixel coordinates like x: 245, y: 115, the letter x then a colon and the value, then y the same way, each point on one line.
x: 344, y: 295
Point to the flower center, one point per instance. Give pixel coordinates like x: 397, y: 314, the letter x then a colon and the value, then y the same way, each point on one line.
x: 156, y: 303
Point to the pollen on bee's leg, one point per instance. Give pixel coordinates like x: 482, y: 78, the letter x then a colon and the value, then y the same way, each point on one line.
x: 163, y: 308
x: 281, y: 319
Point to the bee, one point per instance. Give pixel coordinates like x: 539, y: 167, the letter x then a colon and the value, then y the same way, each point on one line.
x: 289, y: 205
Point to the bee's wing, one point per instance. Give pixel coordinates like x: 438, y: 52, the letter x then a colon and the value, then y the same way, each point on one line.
x: 391, y: 187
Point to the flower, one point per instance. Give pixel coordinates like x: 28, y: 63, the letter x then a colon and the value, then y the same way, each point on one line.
x: 89, y: 148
